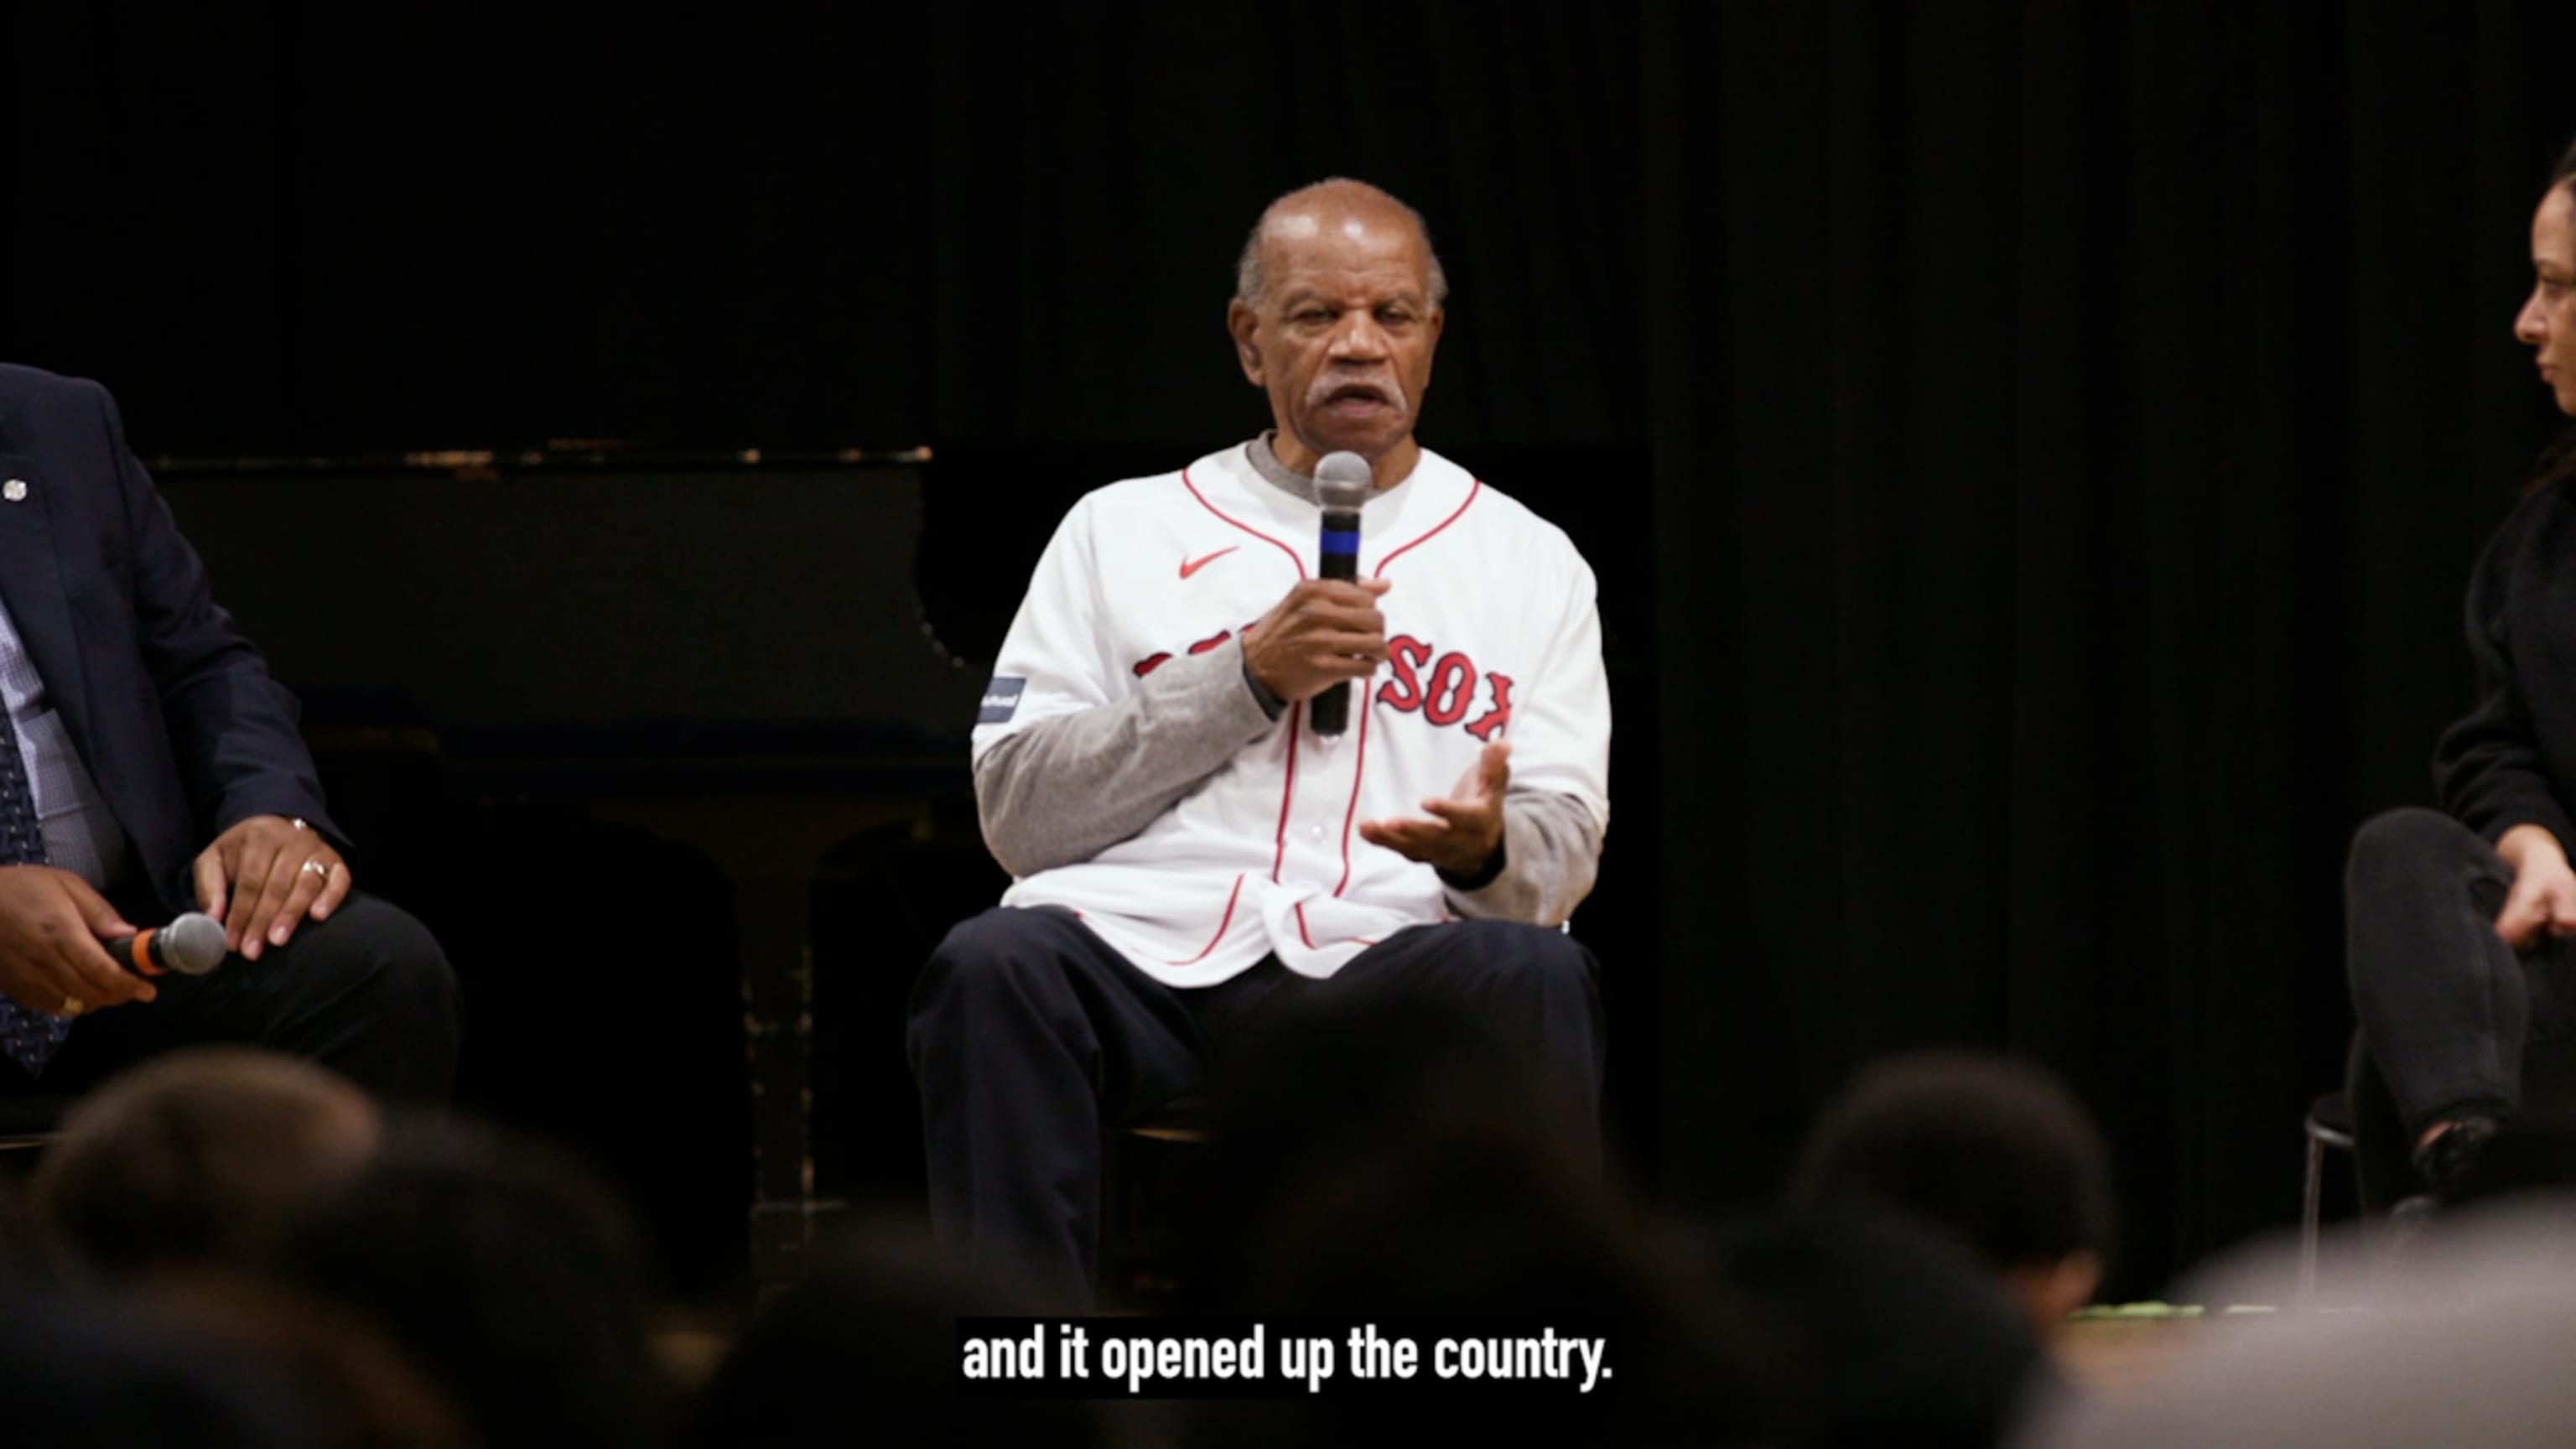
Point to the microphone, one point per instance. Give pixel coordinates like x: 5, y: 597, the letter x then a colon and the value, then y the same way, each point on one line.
x: 192, y: 945
x: 1342, y: 484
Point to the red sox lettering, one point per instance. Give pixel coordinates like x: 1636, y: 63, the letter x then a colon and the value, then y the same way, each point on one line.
x: 1152, y: 662
x: 1444, y: 693
x: 1442, y: 688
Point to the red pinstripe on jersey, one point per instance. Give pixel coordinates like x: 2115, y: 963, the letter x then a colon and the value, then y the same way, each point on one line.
x: 1228, y: 920
x: 1476, y: 486
x: 1368, y: 706
x: 1287, y: 793
x: 1294, y: 557
x: 1288, y: 787
x: 1359, y: 763
x: 1368, y: 702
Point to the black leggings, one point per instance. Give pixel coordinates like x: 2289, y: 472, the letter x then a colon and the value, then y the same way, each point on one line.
x: 2446, y: 1007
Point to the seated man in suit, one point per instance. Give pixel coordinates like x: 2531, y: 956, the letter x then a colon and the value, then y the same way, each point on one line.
x: 150, y: 766
x: 1191, y: 849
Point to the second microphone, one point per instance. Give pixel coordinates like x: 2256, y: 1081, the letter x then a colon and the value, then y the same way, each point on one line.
x: 192, y: 945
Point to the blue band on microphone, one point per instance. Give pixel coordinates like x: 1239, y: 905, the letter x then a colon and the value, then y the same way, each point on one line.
x: 1341, y: 540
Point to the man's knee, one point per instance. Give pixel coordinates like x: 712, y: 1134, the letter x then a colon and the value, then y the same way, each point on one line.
x: 385, y: 955
x: 1004, y: 959
x: 1520, y: 987
x: 1519, y: 959
x: 1005, y: 947
x: 2413, y: 838
x: 370, y: 993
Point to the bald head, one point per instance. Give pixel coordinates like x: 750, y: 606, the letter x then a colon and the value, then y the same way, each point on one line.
x: 1339, y: 204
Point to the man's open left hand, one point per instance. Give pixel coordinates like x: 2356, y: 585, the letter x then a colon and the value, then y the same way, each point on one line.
x: 1466, y: 829
x: 265, y: 876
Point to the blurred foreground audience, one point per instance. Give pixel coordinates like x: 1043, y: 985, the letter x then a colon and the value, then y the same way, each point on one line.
x: 1995, y: 1154
x: 1868, y: 1330
x: 2464, y: 1345
x: 205, y: 1158
x: 864, y: 1351
x: 96, y: 1372
x: 412, y: 1281
x: 349, y: 1381
x: 1385, y: 1156
x: 1381, y: 1150
x: 232, y: 1248
x: 506, y: 1271
x: 173, y: 1194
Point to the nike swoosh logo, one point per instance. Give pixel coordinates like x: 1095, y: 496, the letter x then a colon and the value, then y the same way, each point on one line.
x: 1191, y: 566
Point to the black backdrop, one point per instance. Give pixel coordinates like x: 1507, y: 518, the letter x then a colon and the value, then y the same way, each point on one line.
x: 2032, y: 451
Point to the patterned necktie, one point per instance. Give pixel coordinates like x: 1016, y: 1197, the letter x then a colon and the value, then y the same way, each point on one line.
x: 29, y: 1037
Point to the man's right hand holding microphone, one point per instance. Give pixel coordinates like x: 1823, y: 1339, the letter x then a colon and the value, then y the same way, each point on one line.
x: 54, y: 931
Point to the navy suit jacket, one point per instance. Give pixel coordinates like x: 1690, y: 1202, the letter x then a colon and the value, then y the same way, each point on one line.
x: 172, y: 710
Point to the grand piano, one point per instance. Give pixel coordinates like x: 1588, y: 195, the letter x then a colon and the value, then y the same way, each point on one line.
x: 729, y: 650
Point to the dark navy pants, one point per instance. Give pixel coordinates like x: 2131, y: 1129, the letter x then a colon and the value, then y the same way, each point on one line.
x: 1030, y: 1035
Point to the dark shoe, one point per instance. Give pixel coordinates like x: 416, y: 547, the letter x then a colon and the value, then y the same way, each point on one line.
x: 2444, y: 1161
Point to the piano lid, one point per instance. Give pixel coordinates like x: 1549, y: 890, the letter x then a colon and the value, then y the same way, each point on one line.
x: 593, y: 606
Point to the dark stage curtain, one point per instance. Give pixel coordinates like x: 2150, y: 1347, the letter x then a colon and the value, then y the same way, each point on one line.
x: 2033, y: 452
x: 2073, y: 426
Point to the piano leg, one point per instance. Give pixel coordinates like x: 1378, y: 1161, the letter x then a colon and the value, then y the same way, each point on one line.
x: 774, y: 921
x: 773, y: 851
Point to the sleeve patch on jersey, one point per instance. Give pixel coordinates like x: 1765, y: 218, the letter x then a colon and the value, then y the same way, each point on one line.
x: 1001, y: 700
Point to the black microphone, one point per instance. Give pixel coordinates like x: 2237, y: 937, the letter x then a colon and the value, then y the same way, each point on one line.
x: 191, y: 945
x: 1342, y: 484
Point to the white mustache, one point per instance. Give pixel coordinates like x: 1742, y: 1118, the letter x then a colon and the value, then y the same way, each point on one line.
x: 1323, y: 388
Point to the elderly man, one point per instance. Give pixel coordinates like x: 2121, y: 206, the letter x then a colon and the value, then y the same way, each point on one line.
x: 1187, y: 849
x: 150, y: 765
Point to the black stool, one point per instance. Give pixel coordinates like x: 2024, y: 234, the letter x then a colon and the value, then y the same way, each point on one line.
x: 27, y: 1123
x: 2329, y: 1125
x: 1136, y: 1180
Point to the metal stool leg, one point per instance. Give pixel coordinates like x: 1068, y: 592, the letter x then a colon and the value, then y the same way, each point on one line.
x: 2308, y: 1215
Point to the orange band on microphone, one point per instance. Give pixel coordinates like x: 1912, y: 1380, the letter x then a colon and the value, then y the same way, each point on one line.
x: 142, y: 952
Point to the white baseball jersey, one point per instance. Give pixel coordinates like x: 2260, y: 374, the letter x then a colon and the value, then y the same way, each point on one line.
x: 1493, y: 634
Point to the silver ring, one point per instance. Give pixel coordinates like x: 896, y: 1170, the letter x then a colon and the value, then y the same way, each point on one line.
x: 298, y: 823
x: 318, y: 868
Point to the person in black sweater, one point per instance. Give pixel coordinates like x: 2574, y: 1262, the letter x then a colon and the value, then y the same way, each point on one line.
x: 2461, y: 922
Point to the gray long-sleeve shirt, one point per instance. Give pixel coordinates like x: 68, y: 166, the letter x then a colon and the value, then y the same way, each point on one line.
x: 1066, y: 789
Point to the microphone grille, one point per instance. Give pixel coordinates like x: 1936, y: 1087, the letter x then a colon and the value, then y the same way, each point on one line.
x: 193, y: 944
x: 1343, y: 481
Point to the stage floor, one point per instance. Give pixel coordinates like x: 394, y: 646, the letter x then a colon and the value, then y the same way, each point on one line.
x: 2117, y: 1357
